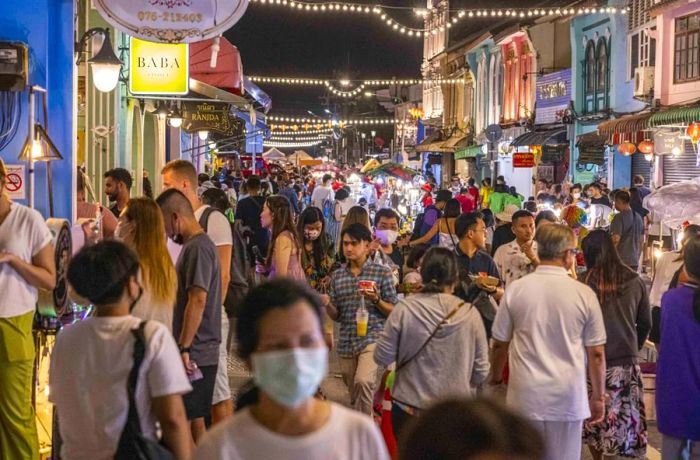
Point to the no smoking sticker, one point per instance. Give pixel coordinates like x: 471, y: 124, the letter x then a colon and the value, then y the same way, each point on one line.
x: 15, y: 183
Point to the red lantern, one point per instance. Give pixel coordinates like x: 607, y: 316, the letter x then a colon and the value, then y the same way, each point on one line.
x: 646, y: 147
x: 693, y: 132
x: 627, y: 148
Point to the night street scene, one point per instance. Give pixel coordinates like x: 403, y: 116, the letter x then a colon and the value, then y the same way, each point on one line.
x: 349, y: 230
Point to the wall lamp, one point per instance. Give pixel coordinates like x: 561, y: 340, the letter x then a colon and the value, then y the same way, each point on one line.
x: 105, y: 64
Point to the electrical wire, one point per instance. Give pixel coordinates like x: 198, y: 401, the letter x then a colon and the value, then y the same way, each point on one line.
x: 10, y: 114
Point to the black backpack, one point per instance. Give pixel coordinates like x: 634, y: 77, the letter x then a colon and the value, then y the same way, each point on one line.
x: 240, y: 268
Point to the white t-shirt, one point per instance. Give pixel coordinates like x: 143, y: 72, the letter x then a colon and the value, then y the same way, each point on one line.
x: 549, y: 320
x: 90, y: 364
x: 512, y: 262
x: 348, y: 435
x: 666, y: 267
x: 23, y: 233
x: 321, y: 194
x: 218, y: 227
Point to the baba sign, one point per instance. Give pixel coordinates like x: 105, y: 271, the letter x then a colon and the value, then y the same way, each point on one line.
x: 172, y: 21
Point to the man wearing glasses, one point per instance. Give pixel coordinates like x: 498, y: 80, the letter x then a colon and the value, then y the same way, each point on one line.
x: 550, y: 328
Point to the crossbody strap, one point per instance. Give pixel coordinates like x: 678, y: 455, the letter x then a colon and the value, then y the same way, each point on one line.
x: 449, y: 232
x: 139, y: 353
x: 425, y: 344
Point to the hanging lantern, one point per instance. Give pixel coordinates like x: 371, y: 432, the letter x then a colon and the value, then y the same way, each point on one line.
x: 295, y: 128
x: 283, y: 127
x: 318, y: 126
x: 306, y: 126
x: 627, y: 149
x: 694, y: 132
x: 646, y: 146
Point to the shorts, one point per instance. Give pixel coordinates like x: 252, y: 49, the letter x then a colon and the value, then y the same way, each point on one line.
x: 198, y: 401
x: 222, y: 387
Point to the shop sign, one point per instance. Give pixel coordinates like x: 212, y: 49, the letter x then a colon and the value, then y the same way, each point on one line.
x: 666, y: 140
x: 523, y: 160
x: 211, y: 116
x: 172, y: 21
x: 553, y: 153
x: 553, y: 94
x: 157, y: 68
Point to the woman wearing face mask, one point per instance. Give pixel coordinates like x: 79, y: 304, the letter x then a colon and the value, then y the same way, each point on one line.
x: 141, y: 228
x: 279, y: 335
x: 437, y: 341
x: 318, y: 251
x: 284, y: 251
x: 445, y: 226
x: 97, y: 355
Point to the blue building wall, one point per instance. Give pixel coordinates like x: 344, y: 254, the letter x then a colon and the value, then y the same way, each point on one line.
x: 47, y: 27
x: 621, y: 88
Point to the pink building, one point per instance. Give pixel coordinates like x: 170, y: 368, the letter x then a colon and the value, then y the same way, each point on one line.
x: 677, y: 76
x: 520, y: 65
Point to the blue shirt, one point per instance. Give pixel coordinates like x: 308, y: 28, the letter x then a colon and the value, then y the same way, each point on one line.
x: 678, y: 369
x: 291, y: 195
x: 345, y: 296
x: 430, y: 216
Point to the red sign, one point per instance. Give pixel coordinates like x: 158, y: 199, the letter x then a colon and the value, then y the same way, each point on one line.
x: 523, y: 160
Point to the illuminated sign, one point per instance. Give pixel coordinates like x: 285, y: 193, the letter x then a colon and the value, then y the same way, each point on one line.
x: 172, y: 21
x: 158, y: 68
x: 553, y: 96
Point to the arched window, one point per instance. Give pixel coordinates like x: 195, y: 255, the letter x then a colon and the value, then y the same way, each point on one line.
x: 590, y: 68
x: 602, y: 69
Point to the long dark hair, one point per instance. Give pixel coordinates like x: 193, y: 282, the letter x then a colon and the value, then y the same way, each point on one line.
x: 606, y: 271
x: 691, y: 262
x: 321, y: 245
x: 453, y: 209
x: 438, y: 270
x: 281, y: 222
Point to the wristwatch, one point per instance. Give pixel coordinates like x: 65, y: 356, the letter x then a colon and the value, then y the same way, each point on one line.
x: 184, y: 349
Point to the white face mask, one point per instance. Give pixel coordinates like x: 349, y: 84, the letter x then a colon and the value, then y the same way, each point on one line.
x: 387, y: 237
x: 577, y: 195
x: 312, y: 235
x: 290, y: 377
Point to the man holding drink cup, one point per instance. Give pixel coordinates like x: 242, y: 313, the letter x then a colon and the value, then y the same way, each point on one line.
x: 361, y: 296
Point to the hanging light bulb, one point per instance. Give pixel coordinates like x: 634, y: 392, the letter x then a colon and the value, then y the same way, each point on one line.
x: 162, y: 111
x: 676, y: 152
x: 203, y: 135
x: 37, y: 150
x: 175, y: 118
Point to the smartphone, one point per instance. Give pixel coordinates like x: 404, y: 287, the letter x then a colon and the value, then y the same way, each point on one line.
x: 195, y: 374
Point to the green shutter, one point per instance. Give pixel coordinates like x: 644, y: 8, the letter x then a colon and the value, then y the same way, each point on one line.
x: 685, y: 115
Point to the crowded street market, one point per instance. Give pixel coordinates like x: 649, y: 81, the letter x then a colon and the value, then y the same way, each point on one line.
x: 349, y: 230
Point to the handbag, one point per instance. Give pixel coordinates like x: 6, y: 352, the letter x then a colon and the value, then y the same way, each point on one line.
x: 133, y: 445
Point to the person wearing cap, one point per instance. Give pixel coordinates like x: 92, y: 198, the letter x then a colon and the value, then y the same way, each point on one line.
x: 504, y: 232
x: 427, y: 199
x: 433, y: 213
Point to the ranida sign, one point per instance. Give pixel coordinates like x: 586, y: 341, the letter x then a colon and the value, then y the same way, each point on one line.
x: 158, y: 69
x: 211, y: 116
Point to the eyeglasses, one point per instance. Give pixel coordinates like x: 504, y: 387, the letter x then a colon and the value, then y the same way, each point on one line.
x: 573, y: 251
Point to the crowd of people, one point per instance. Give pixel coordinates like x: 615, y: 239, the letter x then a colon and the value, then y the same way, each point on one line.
x: 500, y: 327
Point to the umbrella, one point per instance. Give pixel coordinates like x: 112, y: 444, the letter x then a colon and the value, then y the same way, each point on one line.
x: 370, y: 165
x: 676, y: 203
x: 395, y: 170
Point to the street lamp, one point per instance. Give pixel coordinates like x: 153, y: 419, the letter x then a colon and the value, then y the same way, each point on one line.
x: 105, y: 64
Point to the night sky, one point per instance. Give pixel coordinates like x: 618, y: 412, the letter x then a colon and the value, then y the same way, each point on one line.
x: 278, y: 41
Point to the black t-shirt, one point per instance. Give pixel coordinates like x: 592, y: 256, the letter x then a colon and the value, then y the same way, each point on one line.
x: 502, y: 235
x: 397, y: 257
x: 604, y: 200
x: 248, y: 211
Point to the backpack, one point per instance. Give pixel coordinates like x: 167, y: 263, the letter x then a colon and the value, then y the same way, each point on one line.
x: 240, y: 268
x: 328, y: 208
x: 420, y: 220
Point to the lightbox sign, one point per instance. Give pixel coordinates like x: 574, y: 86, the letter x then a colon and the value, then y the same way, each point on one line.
x: 553, y: 95
x: 172, y: 21
x: 158, y: 68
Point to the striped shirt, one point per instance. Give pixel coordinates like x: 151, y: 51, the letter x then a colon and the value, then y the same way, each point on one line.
x: 345, y: 296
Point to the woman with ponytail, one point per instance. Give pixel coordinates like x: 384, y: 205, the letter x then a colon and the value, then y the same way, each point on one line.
x: 437, y: 341
x: 678, y: 370
x: 625, y: 305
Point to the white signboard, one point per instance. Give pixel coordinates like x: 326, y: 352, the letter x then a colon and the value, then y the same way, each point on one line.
x: 172, y: 21
x: 16, y: 182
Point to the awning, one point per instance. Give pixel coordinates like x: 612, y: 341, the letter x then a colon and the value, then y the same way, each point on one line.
x: 678, y: 116
x: 450, y: 144
x: 548, y: 137
x: 228, y: 72
x: 628, y: 127
x: 469, y: 151
x: 432, y: 143
x: 217, y: 94
x: 260, y: 96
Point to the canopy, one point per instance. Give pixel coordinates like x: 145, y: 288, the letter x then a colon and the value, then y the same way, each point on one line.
x: 468, y: 151
x: 371, y: 164
x: 676, y: 203
x: 228, y: 73
x: 629, y: 127
x: 395, y: 170
x: 299, y: 155
x: 548, y: 137
x: 274, y: 154
x: 676, y: 116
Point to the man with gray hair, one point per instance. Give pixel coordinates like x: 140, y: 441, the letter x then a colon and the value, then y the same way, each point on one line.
x: 549, y: 326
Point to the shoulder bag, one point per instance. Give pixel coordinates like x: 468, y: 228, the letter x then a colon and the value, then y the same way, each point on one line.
x: 133, y: 445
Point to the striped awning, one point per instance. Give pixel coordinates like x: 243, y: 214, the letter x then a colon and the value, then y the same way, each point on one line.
x: 469, y: 151
x: 678, y: 116
x: 624, y: 128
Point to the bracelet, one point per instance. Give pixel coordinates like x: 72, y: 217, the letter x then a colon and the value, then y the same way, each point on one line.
x: 183, y: 349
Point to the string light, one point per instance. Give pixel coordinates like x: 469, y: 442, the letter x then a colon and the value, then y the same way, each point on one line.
x: 331, y: 123
x: 298, y: 81
x: 290, y: 144
x: 297, y: 138
x: 278, y: 132
x: 454, y: 16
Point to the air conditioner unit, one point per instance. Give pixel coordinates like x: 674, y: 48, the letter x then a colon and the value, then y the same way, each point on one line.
x: 643, y: 80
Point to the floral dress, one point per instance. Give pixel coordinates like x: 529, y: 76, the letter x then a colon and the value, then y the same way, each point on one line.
x: 314, y: 274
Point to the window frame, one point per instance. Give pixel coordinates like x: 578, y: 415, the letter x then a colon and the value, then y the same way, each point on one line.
x: 685, y: 53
